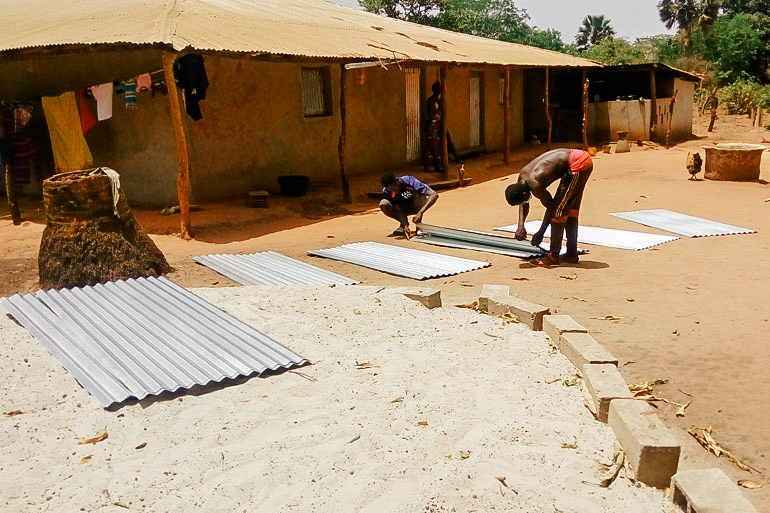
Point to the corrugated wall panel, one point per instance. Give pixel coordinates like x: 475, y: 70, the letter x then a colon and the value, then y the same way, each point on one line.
x: 413, y: 107
x: 410, y: 263
x: 137, y: 338
x: 270, y: 268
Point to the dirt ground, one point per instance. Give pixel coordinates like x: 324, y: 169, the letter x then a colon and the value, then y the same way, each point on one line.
x: 690, y: 311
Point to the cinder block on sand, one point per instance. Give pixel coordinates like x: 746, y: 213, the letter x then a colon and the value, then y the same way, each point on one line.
x: 555, y: 325
x: 651, y: 449
x: 708, y: 490
x: 530, y: 314
x: 582, y: 348
x: 492, y: 291
x: 431, y: 298
x: 604, y: 383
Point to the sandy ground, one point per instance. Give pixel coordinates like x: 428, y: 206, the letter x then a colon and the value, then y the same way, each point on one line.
x: 690, y: 311
x: 403, y: 409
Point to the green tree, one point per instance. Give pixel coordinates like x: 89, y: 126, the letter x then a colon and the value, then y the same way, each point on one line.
x: 493, y: 19
x: 613, y: 52
x: 593, y: 30
x: 424, y: 12
x: 758, y: 12
x: 733, y: 45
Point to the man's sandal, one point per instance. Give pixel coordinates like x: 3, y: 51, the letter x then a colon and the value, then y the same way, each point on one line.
x: 544, y: 261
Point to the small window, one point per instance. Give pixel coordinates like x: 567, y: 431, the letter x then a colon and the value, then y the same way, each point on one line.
x: 501, y: 90
x: 316, y: 96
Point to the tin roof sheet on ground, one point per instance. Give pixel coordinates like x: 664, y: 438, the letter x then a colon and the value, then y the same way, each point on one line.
x: 309, y: 28
x: 138, y: 338
x: 620, y: 239
x: 410, y: 263
x: 270, y: 268
x: 683, y: 224
x: 479, y: 241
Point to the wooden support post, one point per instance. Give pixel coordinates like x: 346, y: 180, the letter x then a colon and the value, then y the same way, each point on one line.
x: 507, y: 118
x: 670, y: 118
x: 442, y: 102
x: 585, y: 110
x: 183, y: 159
x: 10, y: 191
x: 343, y: 133
x: 653, y: 106
x: 548, y: 106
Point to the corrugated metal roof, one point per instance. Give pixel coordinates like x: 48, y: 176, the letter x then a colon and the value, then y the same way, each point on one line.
x: 270, y: 268
x: 411, y: 263
x: 479, y: 241
x: 611, y: 238
x: 688, y: 226
x: 137, y: 338
x: 310, y: 28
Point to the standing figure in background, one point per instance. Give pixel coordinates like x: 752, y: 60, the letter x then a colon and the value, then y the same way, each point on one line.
x: 434, y: 114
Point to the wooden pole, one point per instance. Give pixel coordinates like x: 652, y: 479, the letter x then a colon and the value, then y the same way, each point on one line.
x: 442, y: 103
x: 653, y: 106
x: 548, y: 106
x: 10, y: 191
x: 670, y: 117
x: 507, y: 118
x: 585, y: 110
x: 343, y: 133
x: 183, y: 158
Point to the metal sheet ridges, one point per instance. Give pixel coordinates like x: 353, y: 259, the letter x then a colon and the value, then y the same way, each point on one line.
x: 270, y: 268
x: 411, y: 263
x: 682, y: 224
x: 141, y: 337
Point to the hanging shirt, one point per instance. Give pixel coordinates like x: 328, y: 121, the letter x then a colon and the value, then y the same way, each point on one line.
x: 129, y: 85
x: 143, y: 82
x: 190, y: 74
x: 103, y: 95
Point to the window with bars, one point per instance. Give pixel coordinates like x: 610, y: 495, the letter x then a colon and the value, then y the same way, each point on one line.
x: 316, y: 92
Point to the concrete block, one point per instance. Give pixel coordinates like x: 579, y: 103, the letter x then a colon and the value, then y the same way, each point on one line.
x: 651, y: 449
x: 582, y: 348
x: 530, y: 314
x: 708, y: 491
x: 604, y: 383
x: 492, y: 291
x: 431, y: 298
x: 555, y: 325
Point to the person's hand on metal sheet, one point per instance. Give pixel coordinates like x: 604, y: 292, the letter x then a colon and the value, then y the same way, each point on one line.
x: 537, y: 238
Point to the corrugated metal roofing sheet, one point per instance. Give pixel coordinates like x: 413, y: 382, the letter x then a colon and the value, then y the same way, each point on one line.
x: 270, y: 268
x: 611, y: 238
x: 311, y: 28
x: 470, y: 239
x: 137, y: 338
x: 411, y: 263
x: 688, y: 226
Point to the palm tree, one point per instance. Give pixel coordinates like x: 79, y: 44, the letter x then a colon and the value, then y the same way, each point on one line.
x: 687, y: 15
x: 593, y: 31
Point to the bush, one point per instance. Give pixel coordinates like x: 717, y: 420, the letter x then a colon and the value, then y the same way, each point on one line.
x: 743, y: 97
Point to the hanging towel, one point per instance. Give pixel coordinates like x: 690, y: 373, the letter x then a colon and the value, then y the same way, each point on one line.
x: 87, y: 117
x: 103, y: 95
x: 70, y: 150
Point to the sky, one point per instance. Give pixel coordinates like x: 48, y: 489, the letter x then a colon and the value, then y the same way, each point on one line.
x: 631, y: 19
